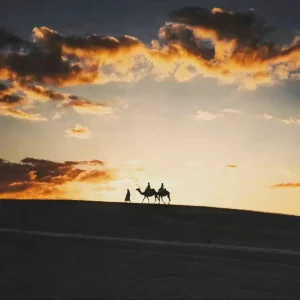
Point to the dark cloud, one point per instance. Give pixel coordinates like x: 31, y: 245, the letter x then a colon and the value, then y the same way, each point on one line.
x: 46, y: 68
x: 58, y: 60
x: 42, y: 62
x: 38, y: 177
x: 9, y: 39
x: 172, y: 34
x: 40, y: 91
x: 101, y: 47
x: 247, y: 28
x: 32, y: 190
x: 6, y: 89
x: 230, y: 46
x: 10, y: 101
x: 10, y: 98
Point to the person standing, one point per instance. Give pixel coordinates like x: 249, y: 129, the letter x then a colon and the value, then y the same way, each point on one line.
x: 127, y: 197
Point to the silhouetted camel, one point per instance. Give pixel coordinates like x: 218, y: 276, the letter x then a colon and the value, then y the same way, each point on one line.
x: 148, y: 193
x: 161, y: 194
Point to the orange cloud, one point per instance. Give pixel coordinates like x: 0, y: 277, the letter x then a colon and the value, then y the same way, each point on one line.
x: 39, y: 92
x: 6, y: 90
x: 102, y: 48
x: 10, y: 98
x: 238, y: 52
x: 184, y: 73
x: 286, y: 185
x: 10, y: 101
x: 94, y: 162
x: 44, y: 64
x: 79, y: 131
x: 93, y: 176
x: 19, y: 114
x: 44, y: 179
x: 217, y: 43
x: 87, y: 107
x: 92, y: 52
x: 230, y: 166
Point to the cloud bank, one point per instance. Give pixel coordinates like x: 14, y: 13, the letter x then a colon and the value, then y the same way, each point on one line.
x: 232, y: 47
x: 44, y: 179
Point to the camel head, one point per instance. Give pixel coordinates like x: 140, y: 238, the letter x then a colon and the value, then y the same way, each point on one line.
x: 139, y: 190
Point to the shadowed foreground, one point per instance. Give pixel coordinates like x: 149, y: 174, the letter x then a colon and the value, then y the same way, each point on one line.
x: 34, y: 266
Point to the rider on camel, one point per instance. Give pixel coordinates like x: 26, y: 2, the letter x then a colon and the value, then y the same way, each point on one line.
x: 148, y: 187
x: 162, y: 188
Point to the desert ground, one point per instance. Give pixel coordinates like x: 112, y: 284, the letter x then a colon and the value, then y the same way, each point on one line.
x: 92, y: 250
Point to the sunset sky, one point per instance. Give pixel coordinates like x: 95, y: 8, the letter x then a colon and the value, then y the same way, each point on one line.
x: 100, y: 96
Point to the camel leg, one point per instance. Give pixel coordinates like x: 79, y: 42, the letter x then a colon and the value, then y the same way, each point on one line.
x: 162, y: 199
x: 169, y: 199
x: 143, y: 199
x: 148, y: 199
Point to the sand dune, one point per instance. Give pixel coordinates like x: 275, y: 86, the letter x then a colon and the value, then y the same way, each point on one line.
x: 65, y: 249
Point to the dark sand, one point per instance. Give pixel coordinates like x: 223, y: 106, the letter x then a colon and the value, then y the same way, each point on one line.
x: 51, y: 267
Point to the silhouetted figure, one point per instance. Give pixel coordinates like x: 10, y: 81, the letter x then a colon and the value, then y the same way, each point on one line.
x: 162, y: 187
x: 127, y: 198
x: 148, y: 188
x: 148, y: 193
x: 161, y: 193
